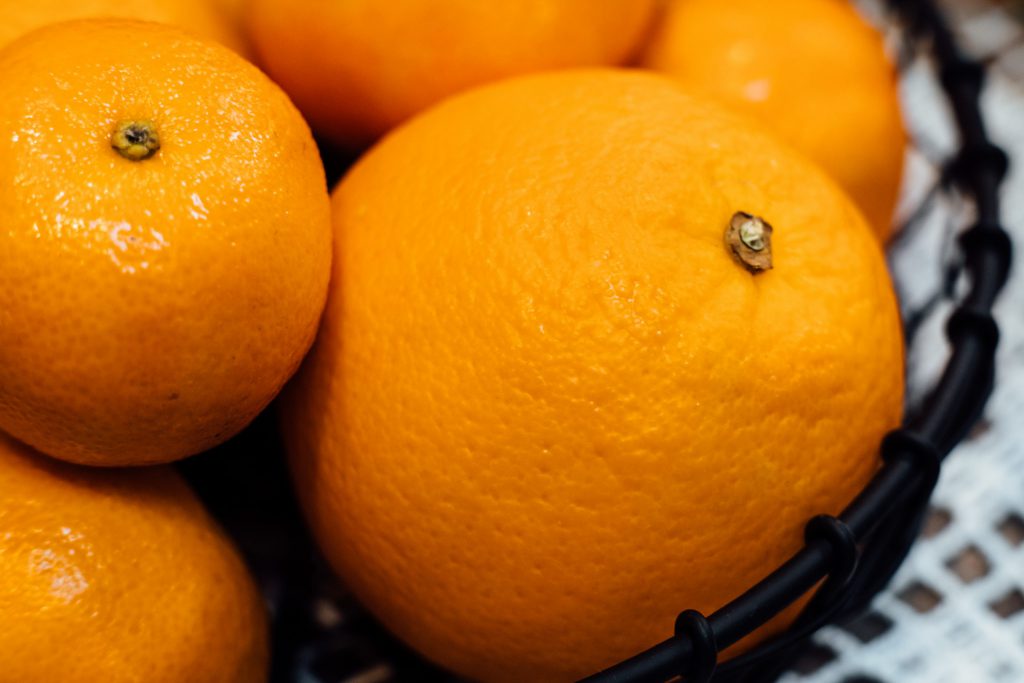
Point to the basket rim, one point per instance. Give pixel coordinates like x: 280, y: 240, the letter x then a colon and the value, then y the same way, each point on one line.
x: 858, y: 551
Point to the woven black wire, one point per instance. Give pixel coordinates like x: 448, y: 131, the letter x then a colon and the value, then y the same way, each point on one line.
x: 858, y: 551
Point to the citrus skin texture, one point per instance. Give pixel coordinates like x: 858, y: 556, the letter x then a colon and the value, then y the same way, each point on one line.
x: 202, y: 17
x: 548, y: 409
x: 150, y: 308
x: 120, y: 577
x: 813, y: 71
x: 357, y: 68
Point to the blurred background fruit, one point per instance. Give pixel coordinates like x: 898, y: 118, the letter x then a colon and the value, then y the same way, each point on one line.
x: 535, y: 323
x: 358, y: 68
x: 813, y: 71
x: 202, y: 17
x: 119, y: 576
x: 150, y: 307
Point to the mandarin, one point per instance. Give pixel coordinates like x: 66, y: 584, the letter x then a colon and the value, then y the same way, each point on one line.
x: 118, y: 576
x: 166, y: 243
x: 359, y: 67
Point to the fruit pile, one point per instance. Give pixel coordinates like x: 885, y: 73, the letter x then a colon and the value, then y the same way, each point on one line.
x: 598, y: 318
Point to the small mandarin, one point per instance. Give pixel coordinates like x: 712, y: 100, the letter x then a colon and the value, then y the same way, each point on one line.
x: 358, y: 68
x: 166, y: 244
x: 118, y: 576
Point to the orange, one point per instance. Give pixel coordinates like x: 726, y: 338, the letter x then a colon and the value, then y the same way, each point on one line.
x: 120, y: 577
x: 811, y: 70
x: 548, y: 409
x: 356, y: 68
x: 202, y: 17
x: 150, y: 307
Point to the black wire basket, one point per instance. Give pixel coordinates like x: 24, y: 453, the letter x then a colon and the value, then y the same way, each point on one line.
x: 853, y: 555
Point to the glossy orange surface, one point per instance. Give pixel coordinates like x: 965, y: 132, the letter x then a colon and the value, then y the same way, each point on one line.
x: 119, y: 577
x: 547, y: 409
x: 150, y: 309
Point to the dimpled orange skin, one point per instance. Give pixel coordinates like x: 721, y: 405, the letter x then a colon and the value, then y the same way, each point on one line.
x: 811, y: 70
x: 357, y: 68
x: 547, y: 410
x: 203, y: 17
x: 121, y: 577
x: 150, y: 309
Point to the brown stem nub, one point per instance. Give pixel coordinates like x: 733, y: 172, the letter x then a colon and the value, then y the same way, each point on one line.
x: 749, y: 239
x: 135, y: 139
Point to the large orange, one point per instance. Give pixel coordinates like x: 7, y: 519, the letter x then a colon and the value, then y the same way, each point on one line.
x: 356, y: 68
x: 150, y: 307
x: 203, y: 17
x: 812, y: 70
x: 548, y: 409
x: 119, y: 577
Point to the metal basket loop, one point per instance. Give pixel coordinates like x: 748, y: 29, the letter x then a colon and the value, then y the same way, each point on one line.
x: 903, y: 444
x: 845, y: 553
x: 992, y: 238
x: 693, y: 625
x: 976, y: 161
x: 977, y: 323
x: 963, y: 73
